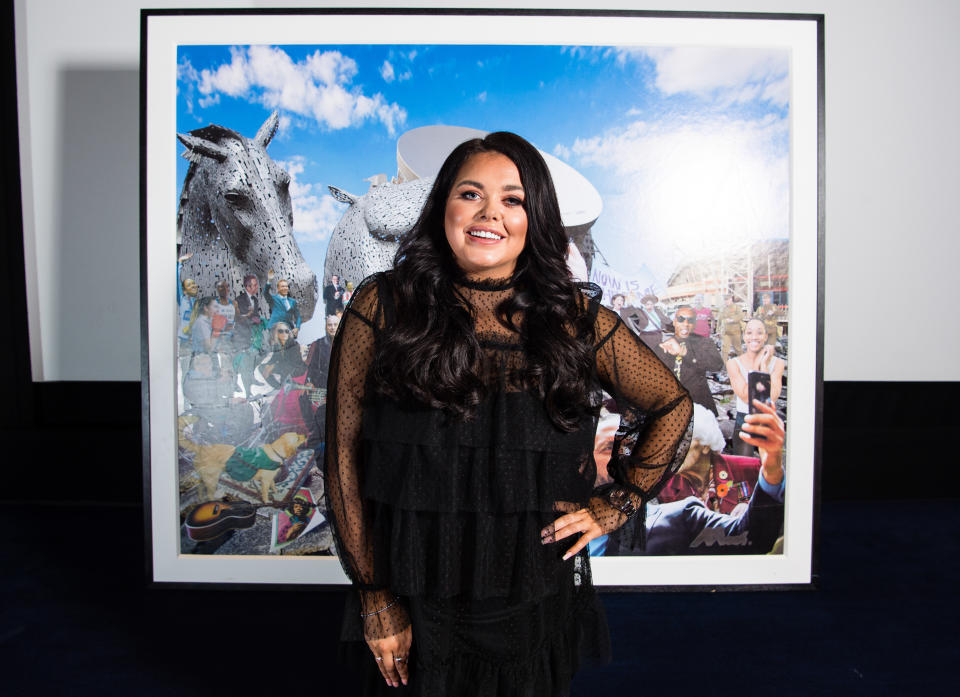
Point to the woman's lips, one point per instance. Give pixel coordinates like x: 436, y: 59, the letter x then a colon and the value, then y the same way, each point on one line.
x: 483, y: 234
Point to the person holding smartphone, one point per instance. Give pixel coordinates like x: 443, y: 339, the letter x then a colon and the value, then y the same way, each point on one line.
x: 758, y: 356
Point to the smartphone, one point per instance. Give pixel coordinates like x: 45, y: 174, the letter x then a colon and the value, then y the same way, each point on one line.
x: 758, y: 387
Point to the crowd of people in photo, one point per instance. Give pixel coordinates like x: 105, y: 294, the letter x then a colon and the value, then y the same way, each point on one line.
x: 244, y: 370
x: 728, y: 495
x: 242, y: 367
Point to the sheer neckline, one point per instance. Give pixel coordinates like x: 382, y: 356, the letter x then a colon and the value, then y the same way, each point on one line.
x: 492, y: 284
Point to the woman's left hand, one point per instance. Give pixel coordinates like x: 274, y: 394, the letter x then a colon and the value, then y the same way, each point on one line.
x: 579, y: 521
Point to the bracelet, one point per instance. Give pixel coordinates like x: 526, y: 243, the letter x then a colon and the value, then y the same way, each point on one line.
x: 620, y: 499
x: 377, y: 612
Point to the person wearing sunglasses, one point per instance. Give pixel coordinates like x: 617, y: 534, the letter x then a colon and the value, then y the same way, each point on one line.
x: 285, y: 360
x: 691, y: 357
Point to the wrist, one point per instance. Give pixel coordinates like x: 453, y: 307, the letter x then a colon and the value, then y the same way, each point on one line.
x: 619, y: 499
x: 386, y: 607
x: 772, y: 470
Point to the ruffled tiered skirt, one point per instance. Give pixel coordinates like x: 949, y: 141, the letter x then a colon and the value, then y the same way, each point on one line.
x: 456, y: 512
x: 493, y: 648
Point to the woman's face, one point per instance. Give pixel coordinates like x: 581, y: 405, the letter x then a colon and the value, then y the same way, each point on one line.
x: 485, y: 221
x: 283, y: 288
x: 283, y: 335
x: 754, y: 335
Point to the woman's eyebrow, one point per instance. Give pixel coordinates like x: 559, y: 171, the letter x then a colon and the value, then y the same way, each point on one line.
x: 478, y: 185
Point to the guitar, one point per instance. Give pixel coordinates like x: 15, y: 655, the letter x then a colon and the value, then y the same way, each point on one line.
x: 214, y: 518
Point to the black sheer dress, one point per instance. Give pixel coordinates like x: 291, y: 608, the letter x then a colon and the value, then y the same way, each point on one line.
x: 445, y: 514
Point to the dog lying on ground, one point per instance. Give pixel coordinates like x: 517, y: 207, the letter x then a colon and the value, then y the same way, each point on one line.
x: 243, y: 464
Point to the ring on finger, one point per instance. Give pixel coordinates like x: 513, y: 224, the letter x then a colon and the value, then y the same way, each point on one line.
x: 379, y: 659
x: 399, y: 659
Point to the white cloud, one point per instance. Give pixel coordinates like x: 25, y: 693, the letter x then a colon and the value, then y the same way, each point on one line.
x: 685, y: 188
x: 386, y: 72
x: 230, y: 78
x: 186, y: 72
x: 562, y: 151
x: 317, y: 87
x: 314, y: 217
x: 482, y: 97
x: 187, y: 77
x: 735, y: 74
x: 574, y: 51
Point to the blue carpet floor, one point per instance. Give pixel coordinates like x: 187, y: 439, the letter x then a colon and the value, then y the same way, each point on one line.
x: 78, y: 619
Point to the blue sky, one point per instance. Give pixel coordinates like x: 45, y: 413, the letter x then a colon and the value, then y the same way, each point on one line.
x: 688, y: 147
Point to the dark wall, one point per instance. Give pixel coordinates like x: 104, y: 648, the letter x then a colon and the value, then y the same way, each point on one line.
x: 81, y: 442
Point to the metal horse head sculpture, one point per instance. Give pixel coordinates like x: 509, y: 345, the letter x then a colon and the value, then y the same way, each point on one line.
x: 367, y: 236
x: 235, y: 214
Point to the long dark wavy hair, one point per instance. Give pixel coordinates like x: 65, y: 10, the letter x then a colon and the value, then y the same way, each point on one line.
x: 432, y: 353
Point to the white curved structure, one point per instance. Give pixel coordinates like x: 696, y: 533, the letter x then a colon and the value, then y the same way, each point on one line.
x: 421, y: 152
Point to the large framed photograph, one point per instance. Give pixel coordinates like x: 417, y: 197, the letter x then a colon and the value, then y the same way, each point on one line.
x: 285, y: 154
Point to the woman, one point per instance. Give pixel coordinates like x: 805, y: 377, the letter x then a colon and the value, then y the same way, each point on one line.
x: 348, y: 293
x: 757, y: 356
x: 187, y: 290
x: 285, y: 359
x: 463, y: 393
x: 200, y: 329
x: 224, y: 316
x: 617, y: 301
x: 283, y: 308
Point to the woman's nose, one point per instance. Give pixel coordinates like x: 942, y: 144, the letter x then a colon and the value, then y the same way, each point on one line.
x: 489, y: 211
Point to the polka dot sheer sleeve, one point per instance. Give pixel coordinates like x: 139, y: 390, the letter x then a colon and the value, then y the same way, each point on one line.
x: 655, y: 422
x: 359, y: 549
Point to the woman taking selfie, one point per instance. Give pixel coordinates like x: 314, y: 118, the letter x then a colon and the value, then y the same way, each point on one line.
x: 463, y: 397
x: 758, y: 356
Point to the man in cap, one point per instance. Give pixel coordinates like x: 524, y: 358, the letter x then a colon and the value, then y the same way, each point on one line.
x: 648, y: 321
x: 769, y: 313
x: 730, y: 318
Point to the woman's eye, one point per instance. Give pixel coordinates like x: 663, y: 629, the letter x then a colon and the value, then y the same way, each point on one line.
x: 470, y: 195
x: 514, y: 201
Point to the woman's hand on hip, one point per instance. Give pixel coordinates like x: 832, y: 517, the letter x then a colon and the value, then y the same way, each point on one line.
x: 579, y: 521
